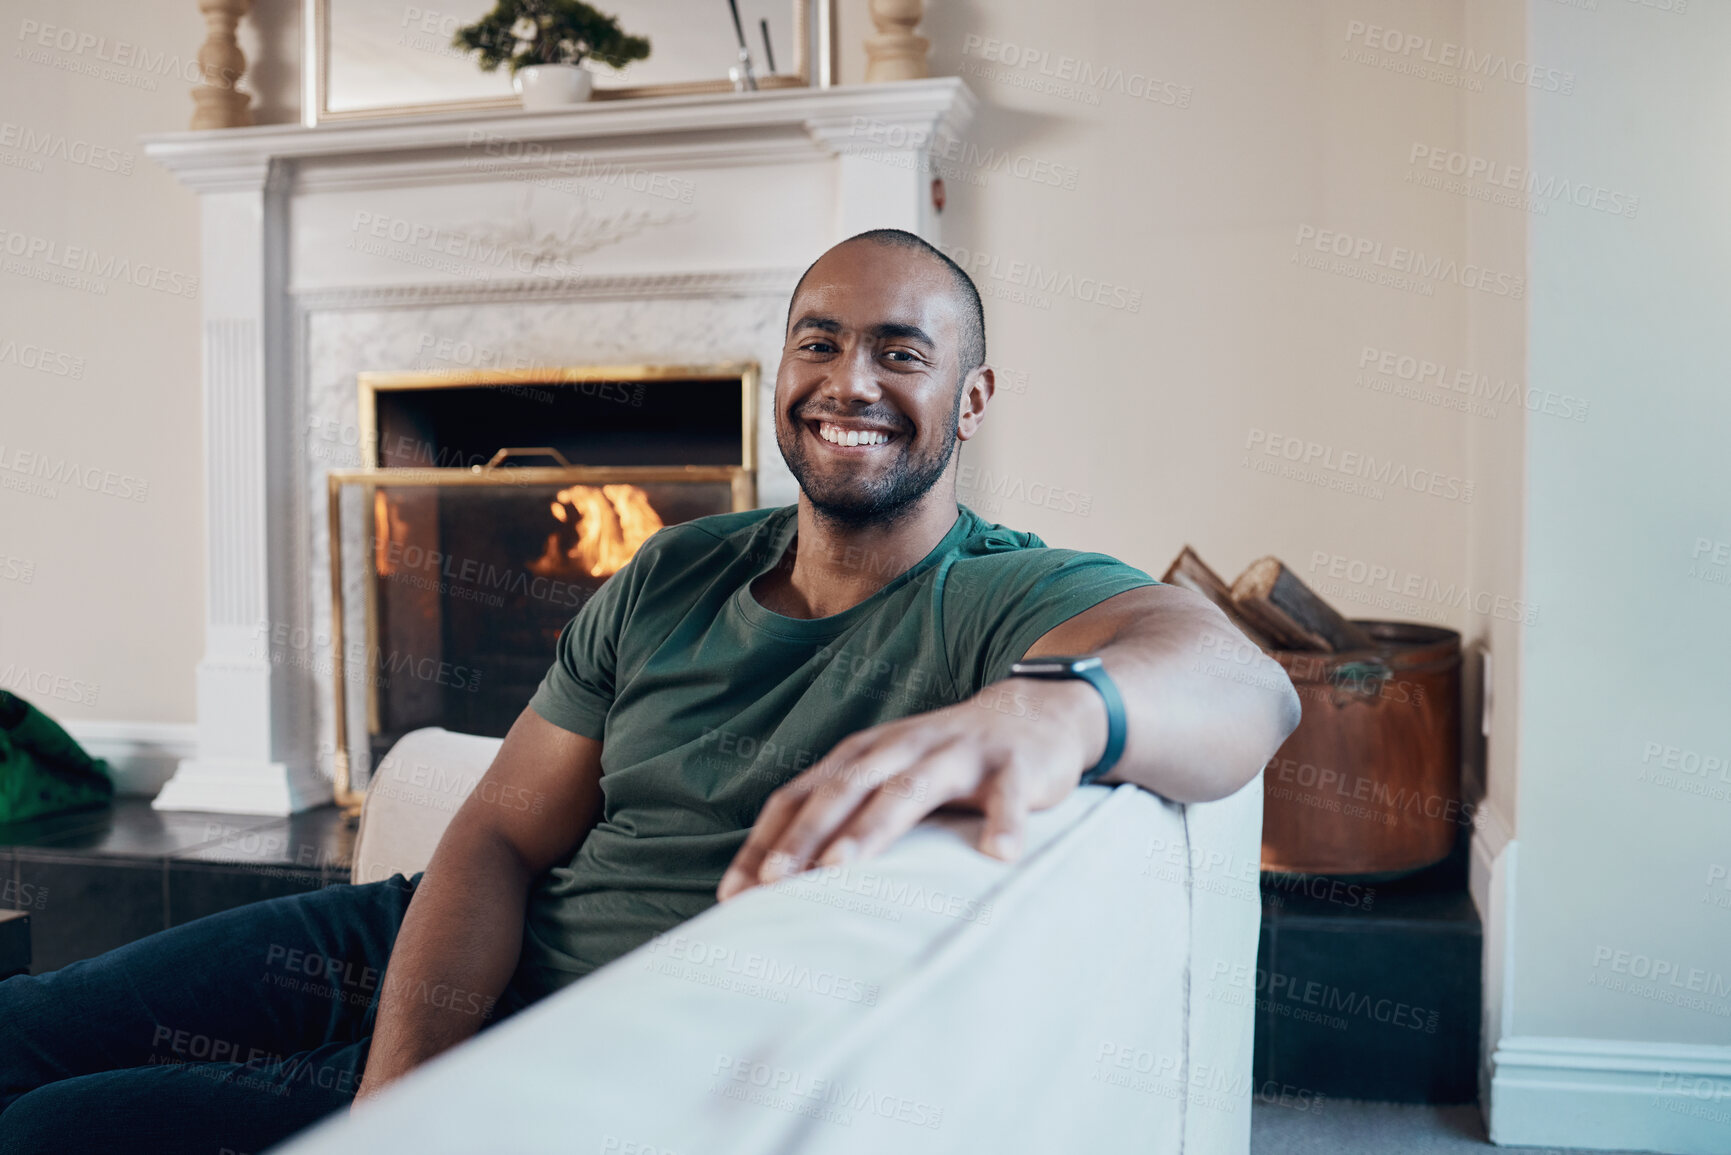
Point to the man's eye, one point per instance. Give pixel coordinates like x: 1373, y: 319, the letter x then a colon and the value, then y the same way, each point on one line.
x: 899, y: 355
x: 818, y: 347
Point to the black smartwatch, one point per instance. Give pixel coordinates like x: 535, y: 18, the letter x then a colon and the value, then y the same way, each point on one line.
x: 1092, y: 671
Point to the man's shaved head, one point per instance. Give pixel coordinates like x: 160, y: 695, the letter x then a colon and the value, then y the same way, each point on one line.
x: 973, y: 324
x: 882, y: 377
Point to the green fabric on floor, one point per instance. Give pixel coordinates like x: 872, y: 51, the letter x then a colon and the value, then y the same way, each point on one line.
x: 42, y: 770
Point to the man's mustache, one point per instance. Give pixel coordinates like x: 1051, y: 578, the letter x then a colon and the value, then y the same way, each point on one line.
x: 885, y: 419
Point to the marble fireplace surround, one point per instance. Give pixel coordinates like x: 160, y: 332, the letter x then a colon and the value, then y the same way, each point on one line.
x: 657, y: 231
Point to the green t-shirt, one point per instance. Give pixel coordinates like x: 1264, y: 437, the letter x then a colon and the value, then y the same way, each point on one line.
x: 705, y: 702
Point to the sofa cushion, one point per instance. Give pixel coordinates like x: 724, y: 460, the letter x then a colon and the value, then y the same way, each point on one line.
x: 412, y: 796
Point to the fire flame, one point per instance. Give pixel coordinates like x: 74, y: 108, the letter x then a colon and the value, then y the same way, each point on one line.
x: 389, y: 530
x: 611, y: 522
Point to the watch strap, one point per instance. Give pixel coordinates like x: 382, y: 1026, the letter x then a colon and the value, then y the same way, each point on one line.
x: 1117, y: 726
x: 1116, y: 723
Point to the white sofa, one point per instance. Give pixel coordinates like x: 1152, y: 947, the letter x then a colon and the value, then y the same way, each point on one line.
x: 1093, y: 996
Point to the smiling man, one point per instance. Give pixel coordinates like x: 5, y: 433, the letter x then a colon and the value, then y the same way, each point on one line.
x: 753, y: 694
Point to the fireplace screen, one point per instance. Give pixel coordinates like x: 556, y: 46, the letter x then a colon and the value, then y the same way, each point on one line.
x: 451, y: 581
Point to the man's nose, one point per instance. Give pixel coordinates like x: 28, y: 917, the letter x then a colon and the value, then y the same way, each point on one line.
x: 854, y: 377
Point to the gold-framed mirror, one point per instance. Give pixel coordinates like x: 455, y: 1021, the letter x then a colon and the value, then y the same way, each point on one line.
x: 383, y: 58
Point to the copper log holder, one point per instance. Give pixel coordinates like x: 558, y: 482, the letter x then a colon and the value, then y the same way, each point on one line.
x: 743, y: 483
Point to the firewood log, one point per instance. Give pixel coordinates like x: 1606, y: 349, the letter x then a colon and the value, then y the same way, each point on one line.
x: 1278, y: 602
x: 1192, y: 573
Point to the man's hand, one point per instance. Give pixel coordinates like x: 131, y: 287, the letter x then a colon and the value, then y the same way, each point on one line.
x: 876, y: 785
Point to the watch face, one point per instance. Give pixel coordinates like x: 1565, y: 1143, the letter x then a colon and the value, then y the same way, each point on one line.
x: 1054, y: 667
x: 1042, y: 668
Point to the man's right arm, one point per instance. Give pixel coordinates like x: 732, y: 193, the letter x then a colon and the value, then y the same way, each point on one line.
x: 464, y: 928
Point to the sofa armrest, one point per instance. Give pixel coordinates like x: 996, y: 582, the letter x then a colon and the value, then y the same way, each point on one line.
x: 932, y: 999
x: 1223, y: 861
x: 412, y: 796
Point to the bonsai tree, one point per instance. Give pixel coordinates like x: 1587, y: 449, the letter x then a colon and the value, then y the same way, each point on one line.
x: 525, y: 32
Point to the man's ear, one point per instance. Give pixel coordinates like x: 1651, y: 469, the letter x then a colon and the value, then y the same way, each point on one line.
x: 977, y: 389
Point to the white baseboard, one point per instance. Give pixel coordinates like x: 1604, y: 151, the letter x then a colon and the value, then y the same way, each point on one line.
x: 142, y: 755
x: 1491, y: 881
x: 1600, y: 1094
x: 1491, y: 833
x: 1611, y: 1094
x: 160, y: 760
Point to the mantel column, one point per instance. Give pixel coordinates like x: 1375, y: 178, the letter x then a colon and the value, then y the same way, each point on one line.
x: 246, y: 762
x: 886, y: 164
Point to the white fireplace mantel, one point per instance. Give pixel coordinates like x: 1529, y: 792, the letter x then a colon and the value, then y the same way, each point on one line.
x: 678, y: 130
x: 767, y: 180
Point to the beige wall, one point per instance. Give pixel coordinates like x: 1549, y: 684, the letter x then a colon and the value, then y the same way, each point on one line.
x: 1189, y: 204
x: 110, y: 624
x: 1194, y: 200
x: 1496, y: 345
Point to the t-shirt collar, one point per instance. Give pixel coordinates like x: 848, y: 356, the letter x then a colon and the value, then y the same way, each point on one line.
x: 780, y: 530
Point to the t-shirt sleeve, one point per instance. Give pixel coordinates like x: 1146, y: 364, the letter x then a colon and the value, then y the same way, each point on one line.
x: 995, y: 607
x: 579, y: 688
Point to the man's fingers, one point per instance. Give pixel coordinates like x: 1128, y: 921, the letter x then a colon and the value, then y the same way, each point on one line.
x: 867, y: 792
x: 798, y: 817
x: 743, y: 871
x: 899, y: 803
x: 1006, y: 806
x: 832, y: 790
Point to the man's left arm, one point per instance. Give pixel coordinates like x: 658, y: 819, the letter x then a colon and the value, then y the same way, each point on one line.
x: 1205, y: 710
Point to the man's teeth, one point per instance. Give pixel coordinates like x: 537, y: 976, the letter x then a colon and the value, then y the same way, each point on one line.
x: 838, y: 436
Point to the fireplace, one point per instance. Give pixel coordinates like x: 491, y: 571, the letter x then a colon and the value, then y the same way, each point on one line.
x: 489, y: 507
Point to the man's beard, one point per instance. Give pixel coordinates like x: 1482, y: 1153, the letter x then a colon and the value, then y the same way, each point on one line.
x: 855, y: 502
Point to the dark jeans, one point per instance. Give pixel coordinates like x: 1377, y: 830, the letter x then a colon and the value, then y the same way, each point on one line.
x: 227, y: 1034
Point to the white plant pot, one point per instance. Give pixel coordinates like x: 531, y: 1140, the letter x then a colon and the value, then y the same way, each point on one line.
x: 553, y: 85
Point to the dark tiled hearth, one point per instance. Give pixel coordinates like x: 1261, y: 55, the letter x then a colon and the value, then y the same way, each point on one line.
x: 1374, y: 1000
x: 98, y: 879
x: 14, y: 943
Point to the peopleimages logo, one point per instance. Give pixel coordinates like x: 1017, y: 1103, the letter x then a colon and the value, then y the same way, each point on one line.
x: 1089, y: 77
x: 788, y: 1089
x: 1497, y: 174
x: 760, y: 968
x: 1696, y: 980
x: 32, y: 356
x: 1275, y: 990
x: 1403, y: 583
x: 56, y: 471
x: 58, y: 146
x: 120, y: 53
x: 1399, y: 260
x: 1417, y: 48
x: 1471, y: 385
x: 1710, y: 561
x: 511, y: 154
x: 80, y: 259
x: 893, y: 139
x: 1314, y: 455
x: 1043, y: 281
x: 47, y: 684
x: 449, y: 250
